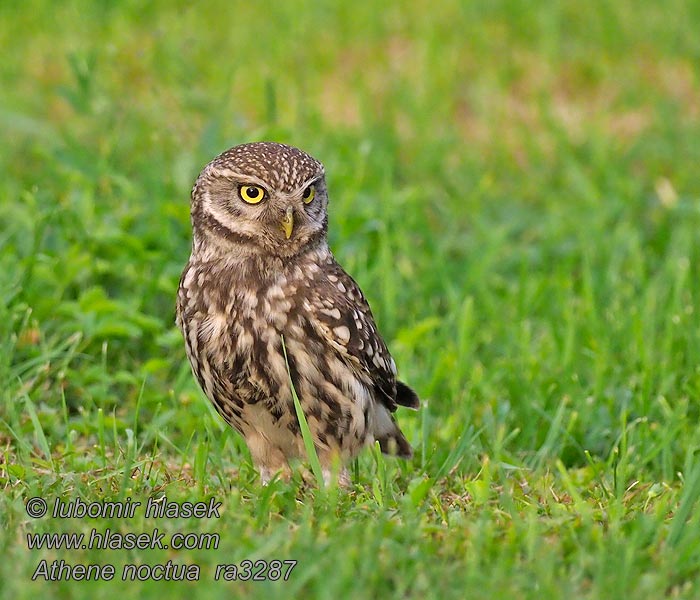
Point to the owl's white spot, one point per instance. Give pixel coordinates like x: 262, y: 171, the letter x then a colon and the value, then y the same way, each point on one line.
x: 245, y: 342
x: 334, y: 313
x: 206, y: 296
x: 278, y: 319
x: 295, y: 331
x: 341, y: 287
x: 276, y: 362
x: 379, y: 361
x: 260, y: 326
x: 251, y: 300
x: 188, y: 278
x: 392, y: 365
x: 358, y: 321
x: 275, y: 291
x: 370, y: 350
x: 343, y: 333
x: 214, y: 325
x: 332, y: 279
x: 194, y: 341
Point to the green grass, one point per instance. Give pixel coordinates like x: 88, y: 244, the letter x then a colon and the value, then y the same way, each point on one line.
x: 515, y: 187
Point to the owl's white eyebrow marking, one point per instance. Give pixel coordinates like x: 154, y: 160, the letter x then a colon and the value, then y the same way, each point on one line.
x: 238, y: 177
x: 315, y: 179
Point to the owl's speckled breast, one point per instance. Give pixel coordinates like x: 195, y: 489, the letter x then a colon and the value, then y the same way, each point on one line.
x: 235, y: 325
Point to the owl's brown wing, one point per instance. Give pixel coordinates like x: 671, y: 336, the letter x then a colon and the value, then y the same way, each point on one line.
x: 342, y: 315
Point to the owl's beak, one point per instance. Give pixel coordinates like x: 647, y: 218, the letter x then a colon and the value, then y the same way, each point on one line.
x: 288, y: 222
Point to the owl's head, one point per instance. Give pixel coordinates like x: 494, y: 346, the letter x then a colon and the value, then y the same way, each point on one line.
x: 261, y: 197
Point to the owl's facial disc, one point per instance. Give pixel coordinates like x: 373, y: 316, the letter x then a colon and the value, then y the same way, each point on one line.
x: 260, y: 198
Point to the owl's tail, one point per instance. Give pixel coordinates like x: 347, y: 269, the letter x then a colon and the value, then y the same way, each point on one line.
x: 405, y: 396
x: 391, y: 439
x: 396, y: 444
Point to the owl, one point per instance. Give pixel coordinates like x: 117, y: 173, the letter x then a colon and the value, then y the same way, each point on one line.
x: 264, y: 306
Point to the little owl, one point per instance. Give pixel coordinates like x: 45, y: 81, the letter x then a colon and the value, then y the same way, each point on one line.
x: 262, y: 284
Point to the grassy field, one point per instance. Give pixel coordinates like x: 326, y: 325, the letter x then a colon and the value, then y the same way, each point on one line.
x: 516, y: 188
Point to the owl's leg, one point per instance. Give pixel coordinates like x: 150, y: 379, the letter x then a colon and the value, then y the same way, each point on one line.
x: 333, y: 468
x: 268, y: 459
x: 342, y: 478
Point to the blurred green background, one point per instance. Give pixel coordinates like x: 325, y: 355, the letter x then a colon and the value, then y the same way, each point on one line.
x: 513, y: 184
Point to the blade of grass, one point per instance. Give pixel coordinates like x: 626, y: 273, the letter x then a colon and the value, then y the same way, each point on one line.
x: 38, y: 430
x: 690, y: 495
x: 458, y: 452
x: 305, y: 431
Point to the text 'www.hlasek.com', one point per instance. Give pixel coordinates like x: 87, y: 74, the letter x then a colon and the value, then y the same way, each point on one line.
x: 153, y: 539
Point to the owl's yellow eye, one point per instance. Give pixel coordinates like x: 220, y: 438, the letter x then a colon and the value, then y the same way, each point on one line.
x: 252, y: 194
x: 309, y: 194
